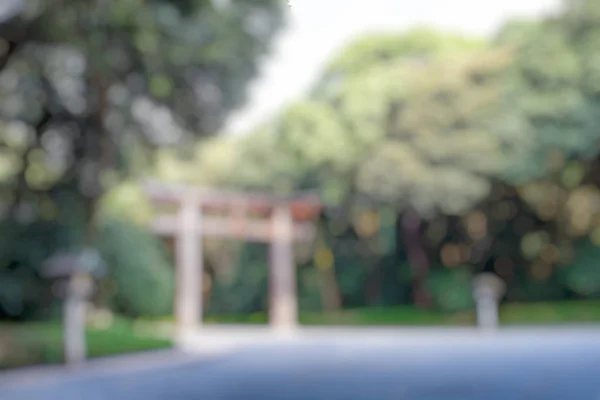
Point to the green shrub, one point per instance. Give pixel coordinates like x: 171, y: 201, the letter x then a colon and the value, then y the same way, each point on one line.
x: 248, y: 291
x: 451, y: 289
x: 24, y: 295
x: 139, y: 270
x: 582, y: 277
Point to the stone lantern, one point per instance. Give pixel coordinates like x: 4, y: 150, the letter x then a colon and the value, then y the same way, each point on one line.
x: 74, y: 273
x: 488, y: 289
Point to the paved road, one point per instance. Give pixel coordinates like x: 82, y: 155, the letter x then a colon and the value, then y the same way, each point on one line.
x: 461, y: 366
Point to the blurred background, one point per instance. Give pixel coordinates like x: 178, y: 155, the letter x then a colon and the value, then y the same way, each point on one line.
x: 444, y: 138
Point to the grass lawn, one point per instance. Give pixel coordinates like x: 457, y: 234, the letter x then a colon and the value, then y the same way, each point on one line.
x: 568, y: 312
x: 41, y: 343
x: 366, y: 316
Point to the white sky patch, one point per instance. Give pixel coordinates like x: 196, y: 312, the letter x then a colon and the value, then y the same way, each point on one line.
x: 319, y: 28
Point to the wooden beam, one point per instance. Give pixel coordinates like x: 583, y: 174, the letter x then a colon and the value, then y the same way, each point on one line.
x: 174, y: 193
x: 255, y: 231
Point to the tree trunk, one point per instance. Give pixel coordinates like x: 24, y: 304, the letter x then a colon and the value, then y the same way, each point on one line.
x: 373, y: 287
x: 331, y: 298
x: 330, y: 292
x: 417, y: 257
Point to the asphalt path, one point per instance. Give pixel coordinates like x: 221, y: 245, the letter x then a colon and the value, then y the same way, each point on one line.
x: 535, y: 364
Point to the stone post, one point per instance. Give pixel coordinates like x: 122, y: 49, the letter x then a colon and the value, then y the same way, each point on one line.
x: 488, y: 289
x: 79, y: 270
x: 79, y: 288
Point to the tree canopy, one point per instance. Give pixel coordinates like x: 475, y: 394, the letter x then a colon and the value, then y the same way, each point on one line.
x: 492, y: 145
x: 85, y: 84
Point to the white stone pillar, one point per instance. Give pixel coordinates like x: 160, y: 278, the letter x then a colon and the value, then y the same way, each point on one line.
x: 488, y: 289
x: 189, y: 260
x: 283, y: 307
x: 74, y: 314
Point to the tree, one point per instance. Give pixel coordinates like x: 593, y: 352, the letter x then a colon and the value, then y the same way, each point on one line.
x: 89, y: 89
x: 85, y: 82
x: 415, y: 128
x: 383, y: 48
x: 429, y: 115
x: 441, y: 143
x: 555, y: 87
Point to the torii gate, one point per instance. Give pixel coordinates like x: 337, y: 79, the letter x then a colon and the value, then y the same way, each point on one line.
x: 280, y: 222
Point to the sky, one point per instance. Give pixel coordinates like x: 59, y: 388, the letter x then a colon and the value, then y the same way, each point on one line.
x: 319, y: 28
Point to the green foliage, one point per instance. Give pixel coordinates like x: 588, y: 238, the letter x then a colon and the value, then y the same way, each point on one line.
x: 583, y: 276
x: 379, y: 49
x: 555, y: 86
x: 428, y: 122
x: 423, y: 119
x: 91, y: 86
x: 139, y: 270
x: 440, y: 144
x: 309, y: 294
x: 311, y: 135
x: 126, y: 201
x: 260, y: 165
x: 451, y: 289
x: 248, y: 291
x: 23, y: 292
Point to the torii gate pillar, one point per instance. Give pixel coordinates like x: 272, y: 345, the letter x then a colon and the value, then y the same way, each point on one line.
x: 190, y: 267
x: 283, y: 307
